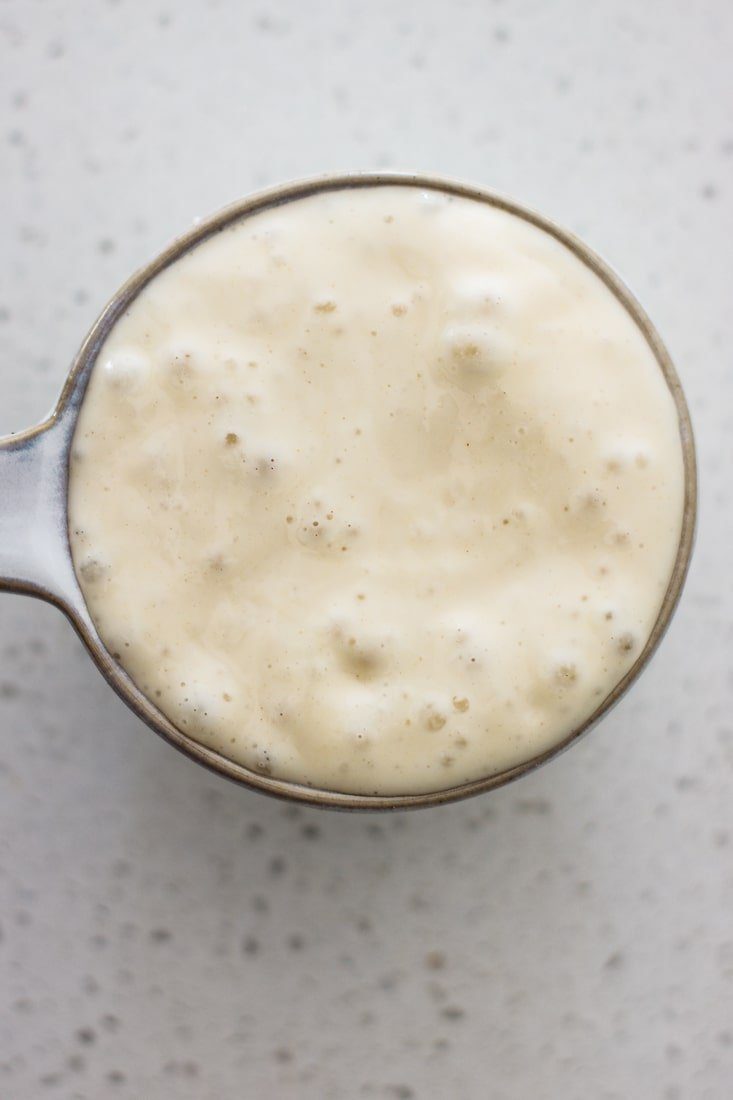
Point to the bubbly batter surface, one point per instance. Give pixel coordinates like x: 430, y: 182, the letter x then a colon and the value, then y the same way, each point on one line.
x: 379, y: 490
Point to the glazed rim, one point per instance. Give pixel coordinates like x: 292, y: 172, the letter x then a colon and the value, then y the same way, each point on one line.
x: 78, y: 378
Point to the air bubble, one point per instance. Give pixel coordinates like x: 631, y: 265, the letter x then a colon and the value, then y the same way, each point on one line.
x: 126, y: 370
x: 92, y: 570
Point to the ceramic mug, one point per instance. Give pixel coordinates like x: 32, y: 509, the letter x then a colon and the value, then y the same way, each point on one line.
x: 35, y: 554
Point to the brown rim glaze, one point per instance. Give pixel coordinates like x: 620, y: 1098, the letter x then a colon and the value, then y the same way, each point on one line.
x: 48, y: 464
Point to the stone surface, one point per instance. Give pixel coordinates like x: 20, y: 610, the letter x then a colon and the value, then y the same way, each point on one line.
x: 165, y: 934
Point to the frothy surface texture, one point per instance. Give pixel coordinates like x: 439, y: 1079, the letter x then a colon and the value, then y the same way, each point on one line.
x: 379, y: 490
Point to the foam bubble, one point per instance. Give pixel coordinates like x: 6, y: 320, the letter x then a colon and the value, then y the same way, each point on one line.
x: 93, y: 569
x: 180, y: 364
x: 625, y: 455
x: 326, y: 303
x: 474, y: 356
x: 479, y: 293
x: 126, y: 370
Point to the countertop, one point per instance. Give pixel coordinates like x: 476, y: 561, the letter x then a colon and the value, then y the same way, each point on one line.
x: 165, y: 934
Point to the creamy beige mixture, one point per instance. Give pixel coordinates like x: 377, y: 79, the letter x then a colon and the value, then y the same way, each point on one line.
x: 379, y: 490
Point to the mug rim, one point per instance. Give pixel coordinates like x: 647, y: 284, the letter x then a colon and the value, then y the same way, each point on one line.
x: 71, y: 399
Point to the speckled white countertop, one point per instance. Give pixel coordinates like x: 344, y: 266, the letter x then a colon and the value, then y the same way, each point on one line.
x: 164, y: 934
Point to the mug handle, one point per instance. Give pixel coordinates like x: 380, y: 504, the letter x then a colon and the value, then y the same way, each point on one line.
x: 35, y: 557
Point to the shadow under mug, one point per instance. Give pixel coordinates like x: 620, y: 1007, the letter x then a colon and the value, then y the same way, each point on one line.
x: 35, y: 553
